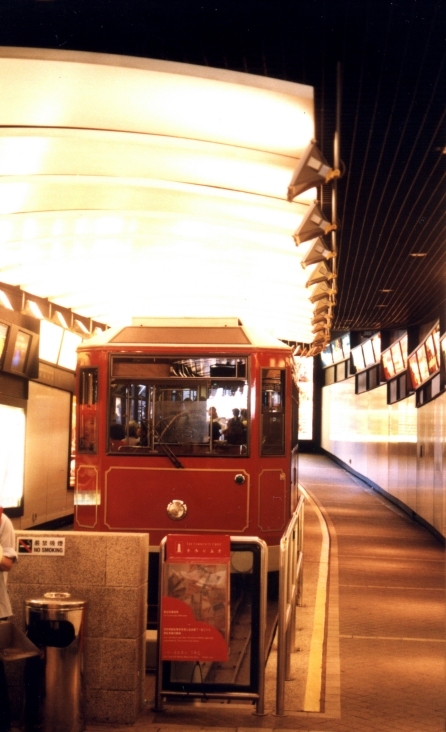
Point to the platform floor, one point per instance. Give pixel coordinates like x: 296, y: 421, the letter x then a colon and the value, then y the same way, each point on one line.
x: 370, y: 633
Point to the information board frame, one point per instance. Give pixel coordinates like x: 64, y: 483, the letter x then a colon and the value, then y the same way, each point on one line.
x: 254, y: 691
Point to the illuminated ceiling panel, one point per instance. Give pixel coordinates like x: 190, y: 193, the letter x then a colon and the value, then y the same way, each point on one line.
x: 132, y: 187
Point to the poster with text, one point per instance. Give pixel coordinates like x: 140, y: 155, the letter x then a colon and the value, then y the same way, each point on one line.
x: 195, y: 600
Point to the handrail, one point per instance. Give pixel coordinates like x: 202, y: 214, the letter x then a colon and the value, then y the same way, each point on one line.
x: 290, y: 595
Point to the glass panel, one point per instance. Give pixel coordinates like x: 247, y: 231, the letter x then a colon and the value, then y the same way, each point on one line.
x: 443, y: 349
x: 431, y: 355
x: 422, y: 363
x: 50, y: 341
x: 88, y: 397
x: 12, y: 455
x: 376, y: 343
x: 358, y: 358
x: 403, y: 343
x: 414, y: 371
x: 436, y: 337
x: 273, y: 412
x: 393, y: 391
x: 361, y: 382
x: 327, y: 356
x: 388, y: 365
x: 338, y: 353
x: 200, y: 408
x: 68, y: 356
x: 20, y: 353
x: 305, y: 386
x: 346, y: 345
x: 369, y: 356
x: 397, y: 357
x: 88, y: 386
x: 179, y: 417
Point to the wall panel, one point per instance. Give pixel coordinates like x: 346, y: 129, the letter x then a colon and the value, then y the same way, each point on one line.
x: 48, y: 419
x: 397, y: 447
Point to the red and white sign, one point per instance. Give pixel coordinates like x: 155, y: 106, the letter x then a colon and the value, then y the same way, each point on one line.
x: 195, y: 601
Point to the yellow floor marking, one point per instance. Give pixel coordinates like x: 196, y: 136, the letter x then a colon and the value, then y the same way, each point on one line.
x: 313, y: 690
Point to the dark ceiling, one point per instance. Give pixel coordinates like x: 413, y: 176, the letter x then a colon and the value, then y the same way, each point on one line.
x: 391, y: 56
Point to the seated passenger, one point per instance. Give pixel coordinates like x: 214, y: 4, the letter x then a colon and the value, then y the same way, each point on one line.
x: 133, y: 430
x: 117, y: 436
x: 235, y: 432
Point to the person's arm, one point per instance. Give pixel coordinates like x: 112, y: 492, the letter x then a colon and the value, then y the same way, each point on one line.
x: 5, y: 564
x: 7, y: 553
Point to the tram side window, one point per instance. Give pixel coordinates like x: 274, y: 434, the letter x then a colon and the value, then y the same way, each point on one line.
x: 88, y: 415
x: 273, y: 412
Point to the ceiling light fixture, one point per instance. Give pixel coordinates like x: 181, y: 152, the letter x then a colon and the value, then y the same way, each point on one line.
x: 313, y: 170
x: 314, y: 251
x: 321, y: 290
x: 59, y: 319
x: 319, y: 273
x: 32, y: 308
x: 79, y: 327
x: 4, y: 301
x: 312, y: 225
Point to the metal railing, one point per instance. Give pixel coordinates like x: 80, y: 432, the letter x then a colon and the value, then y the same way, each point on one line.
x: 290, y: 595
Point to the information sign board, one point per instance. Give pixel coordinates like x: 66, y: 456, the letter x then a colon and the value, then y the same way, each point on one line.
x: 195, y: 598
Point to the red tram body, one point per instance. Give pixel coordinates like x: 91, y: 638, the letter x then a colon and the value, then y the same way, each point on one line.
x: 186, y: 426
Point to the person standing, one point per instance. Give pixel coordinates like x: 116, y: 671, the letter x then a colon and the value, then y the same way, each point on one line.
x: 8, y: 556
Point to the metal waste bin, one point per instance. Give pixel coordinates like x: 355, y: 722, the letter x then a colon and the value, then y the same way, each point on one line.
x: 54, y: 699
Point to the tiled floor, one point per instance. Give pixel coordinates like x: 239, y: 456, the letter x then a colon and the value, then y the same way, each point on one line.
x: 384, y: 649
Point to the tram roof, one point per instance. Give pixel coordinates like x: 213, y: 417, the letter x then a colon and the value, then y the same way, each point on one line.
x: 187, y: 332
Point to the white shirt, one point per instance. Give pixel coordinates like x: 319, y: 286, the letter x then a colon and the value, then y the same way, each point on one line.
x: 7, y: 542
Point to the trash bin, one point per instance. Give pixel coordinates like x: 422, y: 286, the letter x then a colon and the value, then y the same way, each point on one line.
x: 54, y: 699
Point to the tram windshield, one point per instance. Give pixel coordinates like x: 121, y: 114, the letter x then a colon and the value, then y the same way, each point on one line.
x: 178, y: 406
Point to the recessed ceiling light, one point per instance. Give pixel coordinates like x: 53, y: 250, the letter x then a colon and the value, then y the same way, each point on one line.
x: 386, y: 290
x: 418, y: 254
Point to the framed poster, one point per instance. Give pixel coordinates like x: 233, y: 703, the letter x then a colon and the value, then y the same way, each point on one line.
x: 195, y: 599
x: 388, y: 365
x: 358, y: 358
x: 414, y: 371
x: 397, y: 357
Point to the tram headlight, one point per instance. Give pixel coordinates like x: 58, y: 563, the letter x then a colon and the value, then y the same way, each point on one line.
x: 176, y: 510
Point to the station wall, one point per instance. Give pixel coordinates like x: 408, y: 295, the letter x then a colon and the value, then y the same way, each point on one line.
x: 397, y: 448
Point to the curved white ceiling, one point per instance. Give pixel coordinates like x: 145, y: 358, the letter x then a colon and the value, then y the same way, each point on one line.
x: 133, y: 187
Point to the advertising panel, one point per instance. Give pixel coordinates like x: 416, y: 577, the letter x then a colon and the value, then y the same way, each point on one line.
x: 12, y: 455
x: 358, y: 358
x: 388, y: 365
x: 195, y: 598
x: 414, y: 371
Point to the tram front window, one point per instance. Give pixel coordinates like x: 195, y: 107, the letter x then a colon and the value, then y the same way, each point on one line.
x: 197, y: 415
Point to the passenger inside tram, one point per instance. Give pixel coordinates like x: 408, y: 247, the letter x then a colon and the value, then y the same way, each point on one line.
x: 117, y: 436
x: 202, y: 412
x: 215, y: 428
x: 235, y: 433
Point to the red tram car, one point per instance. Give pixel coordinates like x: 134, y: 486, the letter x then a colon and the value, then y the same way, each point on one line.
x: 186, y: 426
